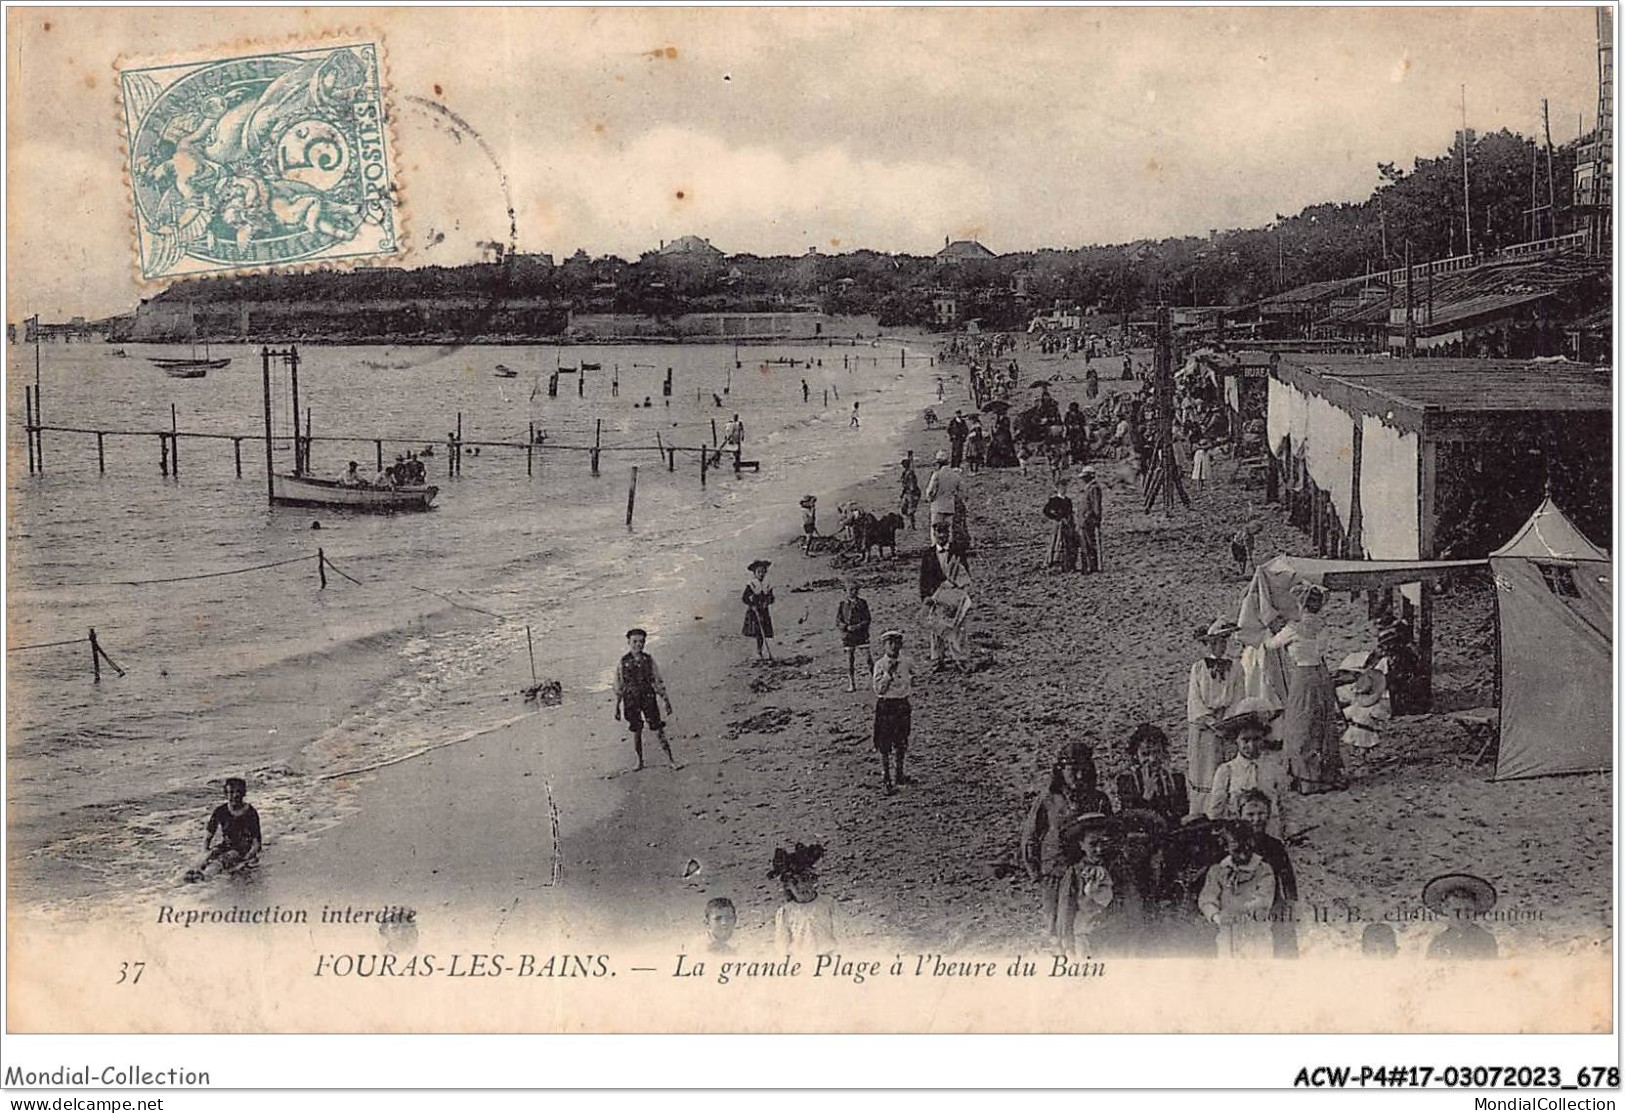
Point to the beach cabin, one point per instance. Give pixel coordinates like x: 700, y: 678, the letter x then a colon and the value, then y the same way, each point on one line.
x: 1425, y: 459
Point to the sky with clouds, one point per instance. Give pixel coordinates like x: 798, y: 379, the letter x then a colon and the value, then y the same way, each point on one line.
x: 772, y: 130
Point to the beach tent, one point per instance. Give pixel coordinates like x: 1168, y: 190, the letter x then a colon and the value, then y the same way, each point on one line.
x: 1555, y: 601
x: 1556, y: 598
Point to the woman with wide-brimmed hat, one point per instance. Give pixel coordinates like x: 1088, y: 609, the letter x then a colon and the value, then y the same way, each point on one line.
x: 1072, y: 791
x: 1463, y: 899
x: 1215, y: 684
x: 1248, y: 724
x: 1311, y: 722
x: 758, y: 598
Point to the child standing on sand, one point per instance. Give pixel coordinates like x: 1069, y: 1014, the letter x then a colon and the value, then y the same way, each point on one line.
x: 638, y: 686
x: 805, y: 922
x: 809, y: 522
x: 852, y: 617
x: 894, y: 713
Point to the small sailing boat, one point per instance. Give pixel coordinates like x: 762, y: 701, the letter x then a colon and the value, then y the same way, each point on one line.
x: 193, y: 368
x: 503, y: 371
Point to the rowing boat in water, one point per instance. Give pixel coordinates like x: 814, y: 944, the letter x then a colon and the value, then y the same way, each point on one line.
x: 188, y: 368
x: 505, y: 372
x: 592, y: 366
x: 302, y: 490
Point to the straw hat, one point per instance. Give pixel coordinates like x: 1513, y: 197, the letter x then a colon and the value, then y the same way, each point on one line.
x: 1245, y: 712
x: 1221, y: 628
x: 893, y: 633
x: 1480, y: 891
x: 809, y: 501
x: 1080, y: 825
x: 759, y: 563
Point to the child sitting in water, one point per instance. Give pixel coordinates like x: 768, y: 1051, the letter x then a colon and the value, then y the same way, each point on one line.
x: 238, y: 825
x: 805, y: 922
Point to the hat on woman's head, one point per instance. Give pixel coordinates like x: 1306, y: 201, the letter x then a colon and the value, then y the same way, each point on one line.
x: 809, y: 500
x: 1081, y: 825
x: 1479, y: 891
x: 1303, y: 590
x: 889, y: 634
x: 1221, y: 627
x: 759, y: 563
x: 1249, y: 711
x: 799, y: 860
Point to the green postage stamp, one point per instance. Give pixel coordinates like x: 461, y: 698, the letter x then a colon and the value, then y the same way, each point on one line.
x: 258, y: 161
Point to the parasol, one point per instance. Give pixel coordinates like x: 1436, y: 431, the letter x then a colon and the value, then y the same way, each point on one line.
x: 997, y: 406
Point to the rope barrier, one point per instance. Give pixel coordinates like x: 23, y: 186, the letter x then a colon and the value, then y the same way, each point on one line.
x: 43, y: 645
x: 342, y: 572
x: 426, y: 591
x: 182, y: 579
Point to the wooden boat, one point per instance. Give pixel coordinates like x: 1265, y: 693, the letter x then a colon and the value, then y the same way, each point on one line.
x: 505, y: 372
x: 302, y: 490
x: 188, y: 368
x: 592, y: 366
x: 564, y: 370
x: 192, y: 367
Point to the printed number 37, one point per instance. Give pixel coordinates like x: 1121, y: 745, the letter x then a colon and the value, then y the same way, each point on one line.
x: 130, y: 972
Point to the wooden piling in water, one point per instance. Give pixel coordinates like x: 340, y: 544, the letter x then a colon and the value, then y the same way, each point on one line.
x: 321, y: 568
x: 28, y: 424
x: 237, y: 455
x: 458, y: 455
x: 101, y: 455
x: 713, y: 432
x: 703, y: 458
x: 378, y: 450
x: 163, y: 454
x: 631, y: 496
x: 530, y: 450
x: 174, y: 443
x: 304, y: 458
x: 594, y: 455
x: 671, y: 458
x: 39, y: 421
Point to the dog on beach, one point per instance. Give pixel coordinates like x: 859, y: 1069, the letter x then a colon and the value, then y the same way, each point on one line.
x: 869, y: 532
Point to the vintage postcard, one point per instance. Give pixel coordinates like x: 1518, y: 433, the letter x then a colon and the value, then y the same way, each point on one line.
x: 797, y: 520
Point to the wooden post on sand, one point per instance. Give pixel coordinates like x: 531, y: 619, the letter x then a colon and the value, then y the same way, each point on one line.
x: 631, y: 496
x: 101, y: 455
x: 237, y: 455
x: 174, y: 444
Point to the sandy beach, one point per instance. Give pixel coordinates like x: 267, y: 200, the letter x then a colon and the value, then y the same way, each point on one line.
x: 776, y: 754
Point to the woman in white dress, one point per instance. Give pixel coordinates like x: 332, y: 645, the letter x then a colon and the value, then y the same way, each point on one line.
x: 1215, y: 684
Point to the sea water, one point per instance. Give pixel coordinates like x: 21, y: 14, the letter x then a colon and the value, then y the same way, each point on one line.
x: 267, y: 675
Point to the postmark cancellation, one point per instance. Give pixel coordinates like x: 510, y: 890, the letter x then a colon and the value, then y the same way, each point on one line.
x: 264, y: 160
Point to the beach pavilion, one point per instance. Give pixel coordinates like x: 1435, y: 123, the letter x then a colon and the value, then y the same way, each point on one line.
x: 1423, y: 459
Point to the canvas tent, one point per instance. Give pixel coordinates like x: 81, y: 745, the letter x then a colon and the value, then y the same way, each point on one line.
x: 1554, y: 594
x: 1556, y: 597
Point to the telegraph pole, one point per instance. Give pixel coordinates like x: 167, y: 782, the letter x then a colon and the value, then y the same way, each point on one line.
x: 1466, y: 196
